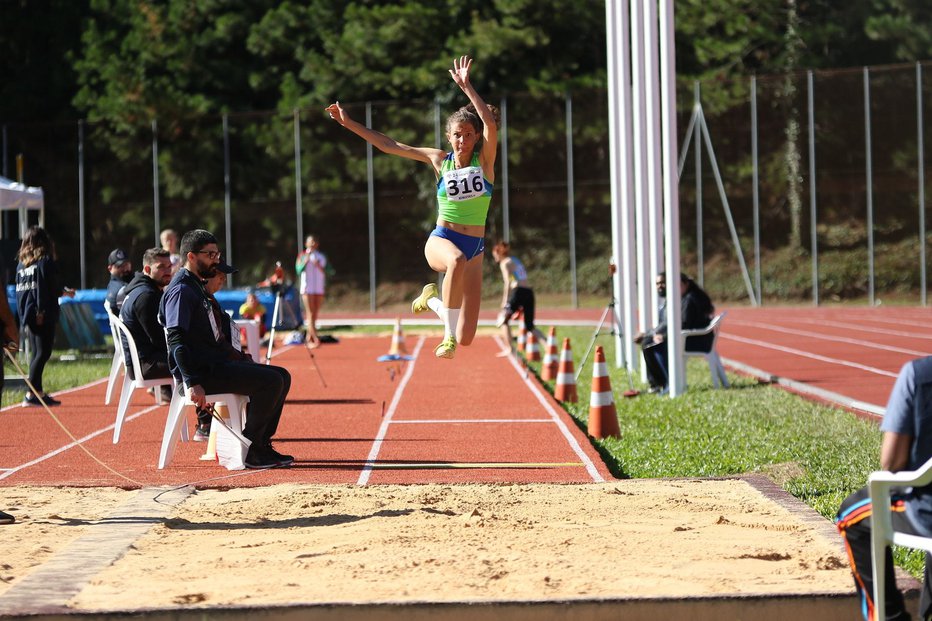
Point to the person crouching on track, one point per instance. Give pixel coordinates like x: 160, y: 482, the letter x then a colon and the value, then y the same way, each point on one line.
x: 199, y: 351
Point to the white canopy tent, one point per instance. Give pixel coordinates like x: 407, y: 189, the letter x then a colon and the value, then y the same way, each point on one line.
x: 22, y: 199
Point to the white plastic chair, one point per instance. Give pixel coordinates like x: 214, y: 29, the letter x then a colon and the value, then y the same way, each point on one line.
x: 129, y: 385
x: 174, y: 424
x: 716, y: 368
x: 118, y: 360
x: 880, y: 484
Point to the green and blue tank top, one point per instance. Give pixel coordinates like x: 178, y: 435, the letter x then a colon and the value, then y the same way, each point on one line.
x: 463, y: 194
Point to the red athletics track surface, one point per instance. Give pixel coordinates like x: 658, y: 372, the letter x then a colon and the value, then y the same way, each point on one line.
x: 854, y: 352
x: 472, y: 419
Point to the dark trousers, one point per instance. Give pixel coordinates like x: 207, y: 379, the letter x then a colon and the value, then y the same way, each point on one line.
x: 266, y: 386
x: 521, y: 298
x: 655, y: 361
x: 41, y: 338
x: 854, y: 524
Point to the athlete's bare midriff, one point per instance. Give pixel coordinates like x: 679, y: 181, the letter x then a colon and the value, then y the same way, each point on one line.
x: 473, y: 230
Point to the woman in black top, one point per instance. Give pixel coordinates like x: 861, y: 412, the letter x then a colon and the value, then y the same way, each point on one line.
x: 37, y: 291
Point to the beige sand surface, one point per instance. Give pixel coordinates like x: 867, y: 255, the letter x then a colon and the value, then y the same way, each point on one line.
x: 317, y: 543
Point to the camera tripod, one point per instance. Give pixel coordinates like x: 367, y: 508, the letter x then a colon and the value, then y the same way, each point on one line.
x: 277, y: 323
x: 616, y: 329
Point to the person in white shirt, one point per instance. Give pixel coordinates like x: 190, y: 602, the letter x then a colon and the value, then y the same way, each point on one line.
x: 311, y: 266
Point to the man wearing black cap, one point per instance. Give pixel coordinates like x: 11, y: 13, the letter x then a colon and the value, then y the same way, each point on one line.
x: 203, y: 359
x: 121, y: 272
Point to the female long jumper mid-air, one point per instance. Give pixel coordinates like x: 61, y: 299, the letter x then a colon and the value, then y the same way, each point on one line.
x: 464, y: 190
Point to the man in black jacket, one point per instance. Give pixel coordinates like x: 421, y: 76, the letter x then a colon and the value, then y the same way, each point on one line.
x: 200, y: 356
x: 140, y: 311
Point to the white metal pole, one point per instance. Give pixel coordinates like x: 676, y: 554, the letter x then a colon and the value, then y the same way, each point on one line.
x: 676, y: 368
x: 652, y: 119
x: 614, y: 146
x: 645, y: 283
x: 625, y: 287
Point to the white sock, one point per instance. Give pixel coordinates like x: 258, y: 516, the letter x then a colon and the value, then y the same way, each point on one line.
x: 450, y: 319
x: 436, y: 305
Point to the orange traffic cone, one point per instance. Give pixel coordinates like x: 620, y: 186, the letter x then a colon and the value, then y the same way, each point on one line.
x: 566, y: 381
x: 548, y: 370
x: 603, y: 419
x: 522, y: 337
x: 531, y: 348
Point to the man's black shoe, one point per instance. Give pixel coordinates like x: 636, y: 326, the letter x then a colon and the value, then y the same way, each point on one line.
x: 259, y: 457
x: 6, y: 518
x: 283, y: 460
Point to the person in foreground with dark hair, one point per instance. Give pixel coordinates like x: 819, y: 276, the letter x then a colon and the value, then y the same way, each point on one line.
x: 464, y: 190
x: 200, y: 356
x: 906, y: 445
x: 696, y: 313
x: 37, y: 291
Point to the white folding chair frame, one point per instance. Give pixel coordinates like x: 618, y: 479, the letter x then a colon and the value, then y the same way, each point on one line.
x: 716, y: 368
x: 880, y: 485
x: 129, y: 385
x: 118, y: 360
x: 174, y: 423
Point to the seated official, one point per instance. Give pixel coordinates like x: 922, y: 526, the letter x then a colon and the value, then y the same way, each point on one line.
x: 202, y: 357
x: 696, y: 313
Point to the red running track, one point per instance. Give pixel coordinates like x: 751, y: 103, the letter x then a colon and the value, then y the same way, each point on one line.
x: 476, y: 418
x: 849, y: 356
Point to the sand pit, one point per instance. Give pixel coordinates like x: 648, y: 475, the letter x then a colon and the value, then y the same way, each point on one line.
x: 323, y: 543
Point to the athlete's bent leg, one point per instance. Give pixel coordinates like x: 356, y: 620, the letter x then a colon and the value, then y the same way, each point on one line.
x: 472, y: 300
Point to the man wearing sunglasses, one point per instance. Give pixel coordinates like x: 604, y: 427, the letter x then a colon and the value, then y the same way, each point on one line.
x: 199, y: 356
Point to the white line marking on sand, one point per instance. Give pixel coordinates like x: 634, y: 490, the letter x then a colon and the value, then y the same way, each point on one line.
x: 386, y: 421
x: 590, y: 467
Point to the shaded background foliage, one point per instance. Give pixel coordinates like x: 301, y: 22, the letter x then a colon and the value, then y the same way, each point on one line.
x: 121, y: 64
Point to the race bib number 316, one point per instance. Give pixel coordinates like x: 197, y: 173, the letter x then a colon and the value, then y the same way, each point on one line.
x: 464, y: 183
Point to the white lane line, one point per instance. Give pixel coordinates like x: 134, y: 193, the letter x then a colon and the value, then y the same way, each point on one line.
x: 590, y: 467
x: 438, y: 421
x: 855, y: 327
x: 12, y: 471
x: 805, y: 354
x: 386, y: 421
x: 826, y: 337
x: 60, y: 392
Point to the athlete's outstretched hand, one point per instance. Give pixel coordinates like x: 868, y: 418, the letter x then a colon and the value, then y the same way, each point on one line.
x: 460, y: 70
x: 337, y: 113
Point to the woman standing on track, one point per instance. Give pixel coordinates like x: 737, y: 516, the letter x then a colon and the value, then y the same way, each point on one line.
x: 37, y: 291
x: 517, y: 294
x: 311, y: 267
x: 464, y: 189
